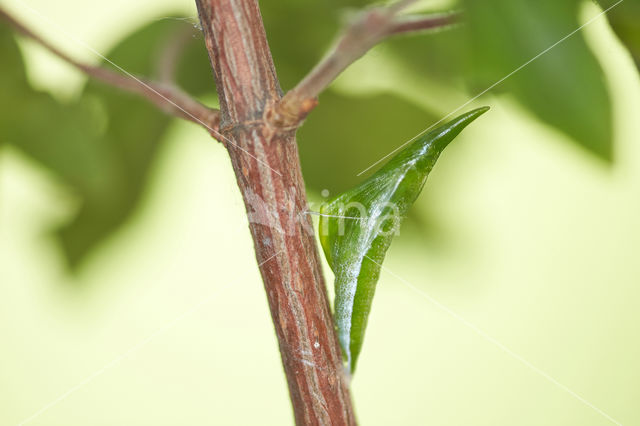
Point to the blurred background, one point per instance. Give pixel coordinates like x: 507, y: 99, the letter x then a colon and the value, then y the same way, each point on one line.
x: 129, y: 291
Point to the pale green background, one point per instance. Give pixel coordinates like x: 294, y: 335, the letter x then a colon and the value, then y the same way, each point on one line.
x: 168, y: 323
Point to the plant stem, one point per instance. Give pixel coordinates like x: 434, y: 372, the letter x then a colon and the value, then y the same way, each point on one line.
x: 267, y: 167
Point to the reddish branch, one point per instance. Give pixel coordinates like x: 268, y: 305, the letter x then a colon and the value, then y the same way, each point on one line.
x: 267, y: 169
x: 414, y: 24
x: 165, y: 96
x: 364, y: 33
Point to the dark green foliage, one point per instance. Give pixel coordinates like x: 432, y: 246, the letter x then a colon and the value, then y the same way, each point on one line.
x: 563, y: 87
x: 103, y: 144
x: 362, y: 128
x: 624, y: 18
x: 300, y: 32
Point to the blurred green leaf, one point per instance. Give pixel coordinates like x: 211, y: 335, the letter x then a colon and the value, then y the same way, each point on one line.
x: 362, y: 129
x: 439, y: 55
x: 103, y: 144
x: 624, y: 18
x: 46, y: 130
x: 133, y: 131
x: 301, y: 32
x: 564, y: 86
x: 193, y: 71
x: 357, y: 226
x: 12, y: 77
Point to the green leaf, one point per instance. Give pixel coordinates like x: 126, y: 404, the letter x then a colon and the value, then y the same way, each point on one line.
x: 624, y: 19
x: 12, y: 75
x: 563, y: 85
x: 357, y: 226
x: 102, y: 145
x: 356, y: 126
x: 440, y: 56
x: 133, y: 133
x: 315, y: 25
x: 132, y: 136
x: 45, y: 129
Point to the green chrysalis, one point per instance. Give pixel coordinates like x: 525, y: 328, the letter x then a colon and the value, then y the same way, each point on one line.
x: 356, y: 228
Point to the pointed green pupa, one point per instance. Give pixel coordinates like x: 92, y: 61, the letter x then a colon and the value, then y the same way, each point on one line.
x: 356, y: 228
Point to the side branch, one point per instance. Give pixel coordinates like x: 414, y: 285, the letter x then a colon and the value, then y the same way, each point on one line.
x: 165, y: 96
x: 371, y: 28
x: 414, y: 24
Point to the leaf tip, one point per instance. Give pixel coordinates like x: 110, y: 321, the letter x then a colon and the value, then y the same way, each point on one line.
x: 475, y: 113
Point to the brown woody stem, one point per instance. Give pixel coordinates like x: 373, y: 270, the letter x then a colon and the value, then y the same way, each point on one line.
x: 165, y: 96
x: 267, y: 167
